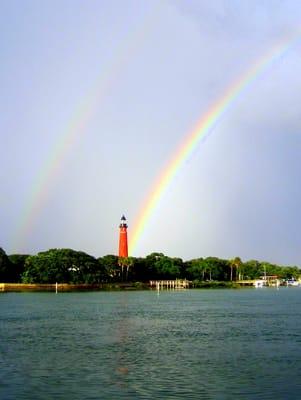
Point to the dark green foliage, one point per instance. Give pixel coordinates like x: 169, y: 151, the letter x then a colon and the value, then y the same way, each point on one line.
x: 166, y: 268
x: 109, y: 268
x: 210, y: 268
x: 5, y: 267
x: 62, y: 266
x: 290, y: 272
x: 252, y: 269
x: 159, y: 266
x: 70, y: 266
x: 214, y: 285
x: 17, y: 266
x: 235, y: 266
x: 139, y: 270
x: 150, y: 264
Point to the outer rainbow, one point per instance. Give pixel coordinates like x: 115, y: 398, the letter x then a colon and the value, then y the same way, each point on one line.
x: 76, y: 127
x: 205, y: 124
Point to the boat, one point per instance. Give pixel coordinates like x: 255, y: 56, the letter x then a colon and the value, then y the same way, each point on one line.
x: 259, y: 283
x: 292, y: 282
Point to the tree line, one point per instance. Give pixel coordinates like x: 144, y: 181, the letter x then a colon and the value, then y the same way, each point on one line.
x: 71, y: 266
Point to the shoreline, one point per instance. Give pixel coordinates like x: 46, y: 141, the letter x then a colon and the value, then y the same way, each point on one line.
x: 69, y: 287
x: 117, y: 286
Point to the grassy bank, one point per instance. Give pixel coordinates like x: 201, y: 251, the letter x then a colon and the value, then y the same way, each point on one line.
x: 66, y: 287
x: 215, y: 285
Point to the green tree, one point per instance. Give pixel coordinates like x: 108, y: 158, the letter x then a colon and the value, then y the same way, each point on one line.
x: 125, y: 263
x: 235, y: 265
x: 167, y: 268
x: 178, y: 262
x: 252, y: 269
x: 159, y: 266
x: 109, y: 264
x: 59, y: 265
x: 5, y: 267
x: 216, y: 268
x: 150, y: 265
x: 290, y: 273
x: 196, y: 269
x: 210, y: 268
x: 17, y: 266
x: 139, y: 270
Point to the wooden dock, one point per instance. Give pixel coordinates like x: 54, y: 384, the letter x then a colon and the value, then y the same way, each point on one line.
x: 246, y: 282
x: 271, y: 281
x: 170, y: 284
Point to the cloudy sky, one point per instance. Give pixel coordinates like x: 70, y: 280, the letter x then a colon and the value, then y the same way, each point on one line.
x: 96, y: 96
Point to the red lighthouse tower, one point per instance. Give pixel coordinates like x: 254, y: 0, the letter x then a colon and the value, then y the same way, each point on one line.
x: 123, y: 238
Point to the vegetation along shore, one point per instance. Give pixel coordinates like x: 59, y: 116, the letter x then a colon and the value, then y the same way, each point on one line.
x: 81, y: 271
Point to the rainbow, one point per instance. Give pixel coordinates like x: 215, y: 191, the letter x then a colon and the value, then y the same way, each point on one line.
x: 205, y: 125
x: 76, y: 128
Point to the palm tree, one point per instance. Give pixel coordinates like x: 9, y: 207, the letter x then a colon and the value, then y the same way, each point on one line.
x: 129, y: 263
x: 235, y: 263
x: 125, y: 262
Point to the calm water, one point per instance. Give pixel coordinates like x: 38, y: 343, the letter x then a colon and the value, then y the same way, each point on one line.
x: 195, y: 344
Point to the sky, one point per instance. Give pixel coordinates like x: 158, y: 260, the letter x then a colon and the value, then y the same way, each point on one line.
x: 96, y: 96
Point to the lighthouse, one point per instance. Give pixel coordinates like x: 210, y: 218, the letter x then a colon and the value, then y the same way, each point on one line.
x: 123, y: 238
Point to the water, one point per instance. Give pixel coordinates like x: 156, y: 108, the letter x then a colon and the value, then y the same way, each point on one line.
x: 194, y: 344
